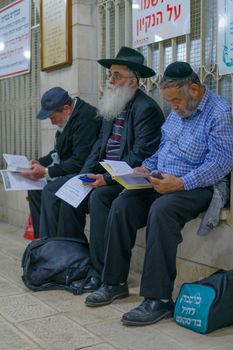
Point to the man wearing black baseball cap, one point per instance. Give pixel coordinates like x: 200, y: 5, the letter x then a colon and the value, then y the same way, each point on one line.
x: 53, y: 100
x: 78, y: 128
x: 195, y: 153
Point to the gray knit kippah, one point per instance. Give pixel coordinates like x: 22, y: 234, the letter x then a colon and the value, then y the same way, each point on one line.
x: 178, y: 71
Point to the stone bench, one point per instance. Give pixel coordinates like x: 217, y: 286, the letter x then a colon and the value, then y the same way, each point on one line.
x: 197, y: 256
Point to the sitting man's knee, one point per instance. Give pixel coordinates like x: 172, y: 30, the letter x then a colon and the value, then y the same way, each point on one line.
x: 161, y: 205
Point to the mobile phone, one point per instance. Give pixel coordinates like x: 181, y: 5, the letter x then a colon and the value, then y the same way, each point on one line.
x: 156, y: 174
x: 85, y: 178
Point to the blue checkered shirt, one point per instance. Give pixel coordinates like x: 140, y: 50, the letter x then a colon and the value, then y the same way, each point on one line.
x: 198, y: 149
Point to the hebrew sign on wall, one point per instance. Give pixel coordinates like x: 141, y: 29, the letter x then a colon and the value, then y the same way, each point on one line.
x: 15, y: 27
x: 225, y: 36
x: 157, y: 20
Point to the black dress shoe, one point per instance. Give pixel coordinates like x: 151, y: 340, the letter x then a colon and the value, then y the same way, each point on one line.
x: 86, y: 286
x: 92, y: 284
x: 148, y: 312
x: 106, y: 294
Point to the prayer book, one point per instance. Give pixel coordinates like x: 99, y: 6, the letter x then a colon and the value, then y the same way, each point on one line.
x: 125, y: 175
x: 16, y: 163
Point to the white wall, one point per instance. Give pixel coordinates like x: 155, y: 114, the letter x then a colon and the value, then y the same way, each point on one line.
x: 80, y: 79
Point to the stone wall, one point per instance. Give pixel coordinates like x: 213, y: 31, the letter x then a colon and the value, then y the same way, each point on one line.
x: 80, y: 79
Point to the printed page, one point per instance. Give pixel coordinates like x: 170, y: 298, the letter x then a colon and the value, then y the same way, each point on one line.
x: 73, y: 191
x: 16, y: 163
x: 132, y: 182
x: 118, y: 167
x: 15, y: 182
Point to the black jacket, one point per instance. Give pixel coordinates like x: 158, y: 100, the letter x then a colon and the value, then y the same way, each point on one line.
x: 140, y: 137
x: 75, y: 142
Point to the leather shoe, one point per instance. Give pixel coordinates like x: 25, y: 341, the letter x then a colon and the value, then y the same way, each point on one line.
x: 106, y: 294
x: 86, y: 285
x: 92, y: 284
x: 148, y: 312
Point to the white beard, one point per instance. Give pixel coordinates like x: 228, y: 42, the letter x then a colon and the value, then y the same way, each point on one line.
x: 114, y: 101
x: 62, y: 124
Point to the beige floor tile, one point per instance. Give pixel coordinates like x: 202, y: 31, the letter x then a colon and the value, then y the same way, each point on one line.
x: 12, y: 249
x: 13, y: 233
x: 196, y: 341
x: 75, y: 309
x: 11, y: 338
x: 102, y: 346
x: 124, y: 305
x: 7, y: 228
x: 59, y: 333
x: 23, y: 307
x: 10, y: 268
x: 57, y: 320
x: 131, y: 338
x: 226, y: 346
x: 8, y: 288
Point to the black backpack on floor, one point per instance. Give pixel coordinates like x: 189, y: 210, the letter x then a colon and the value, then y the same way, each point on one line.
x: 54, y: 263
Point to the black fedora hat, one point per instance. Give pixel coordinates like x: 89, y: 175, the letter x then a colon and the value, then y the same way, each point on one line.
x: 130, y: 58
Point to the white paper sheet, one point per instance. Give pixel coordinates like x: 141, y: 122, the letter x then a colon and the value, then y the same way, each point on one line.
x: 73, y: 191
x: 16, y: 182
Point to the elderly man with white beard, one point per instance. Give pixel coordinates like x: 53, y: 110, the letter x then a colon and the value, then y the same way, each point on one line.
x: 130, y: 132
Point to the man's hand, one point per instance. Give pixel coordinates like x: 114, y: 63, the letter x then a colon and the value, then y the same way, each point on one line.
x: 99, y: 180
x: 33, y: 161
x: 36, y: 172
x: 168, y: 184
x: 141, y: 169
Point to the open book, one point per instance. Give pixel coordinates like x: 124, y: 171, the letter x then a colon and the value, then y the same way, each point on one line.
x: 125, y: 175
x: 16, y: 163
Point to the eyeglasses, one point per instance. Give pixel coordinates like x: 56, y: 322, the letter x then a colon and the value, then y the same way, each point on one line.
x: 117, y: 76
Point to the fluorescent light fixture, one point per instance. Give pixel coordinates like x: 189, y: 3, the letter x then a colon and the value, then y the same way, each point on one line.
x: 27, y: 54
x: 222, y: 23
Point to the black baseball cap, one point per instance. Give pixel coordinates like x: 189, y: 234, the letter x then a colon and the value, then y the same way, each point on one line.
x: 51, y: 101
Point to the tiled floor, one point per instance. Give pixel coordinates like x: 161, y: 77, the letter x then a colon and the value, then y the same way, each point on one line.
x: 57, y: 320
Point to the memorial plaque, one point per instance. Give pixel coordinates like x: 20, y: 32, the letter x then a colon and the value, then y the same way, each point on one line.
x: 56, y: 33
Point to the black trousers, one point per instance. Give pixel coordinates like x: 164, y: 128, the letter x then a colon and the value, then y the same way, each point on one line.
x: 165, y: 216
x: 59, y: 219
x: 50, y: 206
x: 34, y: 198
x: 71, y: 221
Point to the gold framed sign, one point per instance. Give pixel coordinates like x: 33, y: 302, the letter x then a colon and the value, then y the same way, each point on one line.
x: 56, y: 33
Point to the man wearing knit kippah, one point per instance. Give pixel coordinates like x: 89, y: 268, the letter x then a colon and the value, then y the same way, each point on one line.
x: 195, y: 153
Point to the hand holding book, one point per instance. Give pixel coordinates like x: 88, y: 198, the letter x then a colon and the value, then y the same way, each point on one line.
x: 128, y: 177
x: 146, y: 173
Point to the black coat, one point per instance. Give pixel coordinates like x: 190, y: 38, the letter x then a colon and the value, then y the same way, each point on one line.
x: 75, y: 142
x: 140, y: 137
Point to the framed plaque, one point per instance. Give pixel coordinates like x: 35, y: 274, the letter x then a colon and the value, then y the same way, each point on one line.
x: 56, y: 33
